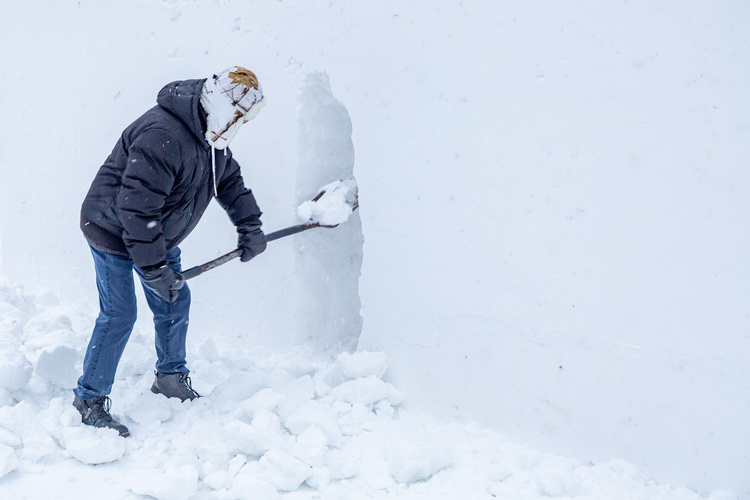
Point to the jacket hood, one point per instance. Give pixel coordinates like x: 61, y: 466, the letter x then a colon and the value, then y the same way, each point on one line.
x: 181, y: 98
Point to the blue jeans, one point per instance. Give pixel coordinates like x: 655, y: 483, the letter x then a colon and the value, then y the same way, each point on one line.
x: 117, y: 315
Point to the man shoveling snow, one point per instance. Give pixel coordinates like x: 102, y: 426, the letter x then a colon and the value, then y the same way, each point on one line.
x: 145, y: 200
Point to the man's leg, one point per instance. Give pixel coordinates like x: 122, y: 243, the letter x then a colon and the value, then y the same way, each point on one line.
x: 171, y: 323
x: 117, y: 315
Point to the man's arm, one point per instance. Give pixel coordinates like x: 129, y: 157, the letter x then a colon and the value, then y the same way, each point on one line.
x: 147, y: 181
x: 238, y: 201
x: 243, y: 210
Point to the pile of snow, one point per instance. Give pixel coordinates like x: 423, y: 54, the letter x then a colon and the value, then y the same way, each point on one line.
x: 333, y: 207
x: 267, y: 427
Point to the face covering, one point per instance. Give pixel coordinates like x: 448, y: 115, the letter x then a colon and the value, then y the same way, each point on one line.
x: 231, y: 98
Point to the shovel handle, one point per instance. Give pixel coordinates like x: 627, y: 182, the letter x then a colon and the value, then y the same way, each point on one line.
x: 288, y: 231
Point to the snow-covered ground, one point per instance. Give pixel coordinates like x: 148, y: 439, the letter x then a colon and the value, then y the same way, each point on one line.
x: 297, y: 425
x: 551, y: 251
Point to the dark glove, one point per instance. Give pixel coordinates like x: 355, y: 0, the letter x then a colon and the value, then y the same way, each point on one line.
x: 163, y: 281
x: 251, y: 241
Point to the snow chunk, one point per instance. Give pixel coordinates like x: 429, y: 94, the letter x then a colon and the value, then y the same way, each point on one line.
x: 268, y: 399
x: 22, y: 420
x: 320, y: 477
x: 15, y: 370
x: 556, y: 478
x: 247, y: 485
x: 315, y: 414
x: 9, y: 438
x: 298, y: 390
x: 207, y: 349
x: 283, y: 470
x: 57, y: 365
x: 174, y: 483
x: 11, y: 320
x: 150, y: 408
x: 94, y: 445
x: 268, y: 422
x: 53, y: 323
x: 218, y: 480
x: 311, y: 447
x: 417, y: 458
x: 248, y: 439
x: 366, y: 391
x: 8, y: 459
x: 235, y: 464
x: 136, y: 360
x: 343, y: 464
x: 362, y: 364
x: 5, y: 398
x: 334, y: 207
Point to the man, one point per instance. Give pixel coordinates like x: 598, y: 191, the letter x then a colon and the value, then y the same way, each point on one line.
x: 147, y: 197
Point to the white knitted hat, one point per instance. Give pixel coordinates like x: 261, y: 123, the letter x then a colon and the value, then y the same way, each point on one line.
x: 230, y: 98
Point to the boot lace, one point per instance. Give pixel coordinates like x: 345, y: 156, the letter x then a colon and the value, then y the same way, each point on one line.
x: 185, y: 379
x: 100, y: 409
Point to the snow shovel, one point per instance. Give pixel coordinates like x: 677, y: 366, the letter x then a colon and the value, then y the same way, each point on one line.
x: 351, y: 201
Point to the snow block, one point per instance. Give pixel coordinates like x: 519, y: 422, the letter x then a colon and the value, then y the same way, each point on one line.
x: 366, y: 391
x: 268, y: 399
x: 218, y: 480
x: 248, y: 439
x: 556, y: 478
x: 93, y: 446
x: 57, y: 365
x: 53, y: 322
x: 298, y: 390
x: 174, y: 483
x: 363, y: 364
x: 417, y: 458
x: 11, y: 319
x: 248, y: 485
x: 8, y: 459
x: 5, y: 398
x: 150, y: 408
x: 311, y: 447
x: 267, y: 422
x: 320, y: 478
x: 22, y: 419
x: 315, y: 414
x: 9, y: 438
x: 283, y: 470
x: 15, y: 370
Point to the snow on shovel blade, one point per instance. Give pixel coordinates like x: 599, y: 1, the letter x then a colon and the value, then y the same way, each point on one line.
x: 332, y: 206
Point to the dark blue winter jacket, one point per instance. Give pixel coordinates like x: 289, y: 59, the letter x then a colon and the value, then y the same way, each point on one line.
x: 156, y: 184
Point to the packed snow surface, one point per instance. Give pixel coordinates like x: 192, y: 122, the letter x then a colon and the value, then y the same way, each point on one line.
x: 268, y: 426
x: 333, y: 207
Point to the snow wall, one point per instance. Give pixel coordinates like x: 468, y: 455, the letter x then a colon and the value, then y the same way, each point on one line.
x: 554, y: 199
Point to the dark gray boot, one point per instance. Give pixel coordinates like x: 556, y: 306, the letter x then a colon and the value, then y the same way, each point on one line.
x: 95, y: 412
x: 174, y: 385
